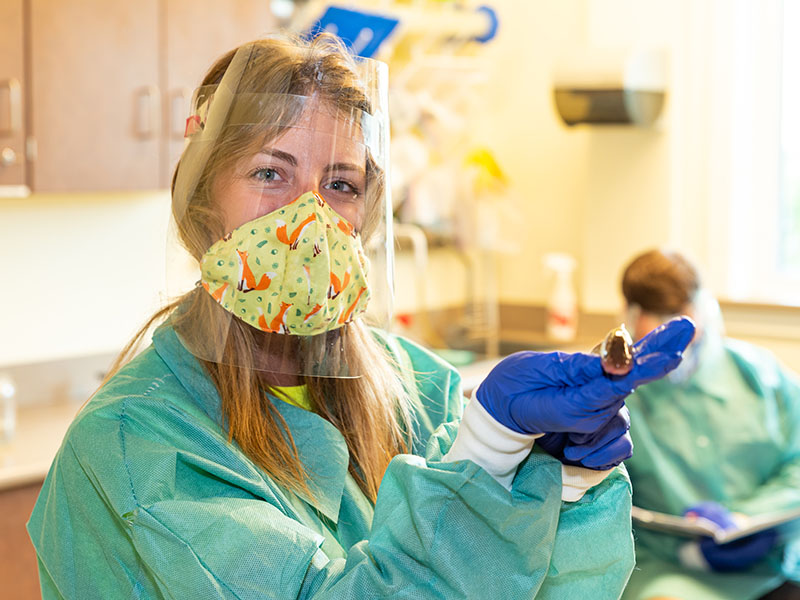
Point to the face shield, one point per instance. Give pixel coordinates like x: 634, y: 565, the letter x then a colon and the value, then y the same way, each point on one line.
x: 282, y: 191
x: 705, y: 312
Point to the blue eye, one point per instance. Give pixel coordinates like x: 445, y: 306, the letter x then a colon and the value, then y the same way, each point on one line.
x: 265, y: 174
x: 342, y: 187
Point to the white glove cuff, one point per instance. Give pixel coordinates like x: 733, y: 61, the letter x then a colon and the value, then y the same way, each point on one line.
x: 576, y: 480
x: 691, y: 557
x: 491, y: 445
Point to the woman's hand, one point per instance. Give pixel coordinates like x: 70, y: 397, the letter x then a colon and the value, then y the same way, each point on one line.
x: 601, y: 450
x: 534, y: 392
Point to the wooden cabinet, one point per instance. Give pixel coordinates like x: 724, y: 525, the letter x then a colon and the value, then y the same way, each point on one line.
x: 110, y: 83
x: 94, y: 95
x: 19, y: 575
x: 198, y: 32
x: 13, y: 163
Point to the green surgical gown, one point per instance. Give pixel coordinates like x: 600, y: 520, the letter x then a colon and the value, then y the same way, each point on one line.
x: 731, y: 434
x: 148, y: 499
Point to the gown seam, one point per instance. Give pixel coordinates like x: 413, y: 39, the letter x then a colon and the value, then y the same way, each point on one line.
x: 155, y: 385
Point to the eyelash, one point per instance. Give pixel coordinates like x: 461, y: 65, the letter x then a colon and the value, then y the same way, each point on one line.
x: 351, y: 185
x: 255, y: 174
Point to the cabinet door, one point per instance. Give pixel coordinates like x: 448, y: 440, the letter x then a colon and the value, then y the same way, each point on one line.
x: 12, y: 87
x: 95, y: 106
x: 197, y: 33
x: 19, y: 575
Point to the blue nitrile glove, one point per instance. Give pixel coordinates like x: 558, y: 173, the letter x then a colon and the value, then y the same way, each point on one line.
x: 534, y: 392
x: 603, y: 449
x: 733, y: 556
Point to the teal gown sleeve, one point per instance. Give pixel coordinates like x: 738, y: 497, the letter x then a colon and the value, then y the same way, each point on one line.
x: 732, y: 436
x: 781, y: 392
x: 148, y: 499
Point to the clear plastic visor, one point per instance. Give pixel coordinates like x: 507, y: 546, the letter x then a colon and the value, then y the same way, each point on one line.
x: 297, y: 249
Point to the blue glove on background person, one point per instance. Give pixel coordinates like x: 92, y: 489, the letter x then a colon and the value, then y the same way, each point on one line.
x: 733, y: 556
x: 534, y: 392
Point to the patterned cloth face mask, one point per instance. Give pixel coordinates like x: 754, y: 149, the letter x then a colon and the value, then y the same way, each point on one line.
x: 298, y: 270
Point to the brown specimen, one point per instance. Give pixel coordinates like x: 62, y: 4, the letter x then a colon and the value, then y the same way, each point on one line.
x: 616, y: 352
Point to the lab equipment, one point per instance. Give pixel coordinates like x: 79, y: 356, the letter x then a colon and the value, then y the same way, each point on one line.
x: 8, y: 408
x: 533, y: 392
x: 562, y: 304
x: 733, y: 556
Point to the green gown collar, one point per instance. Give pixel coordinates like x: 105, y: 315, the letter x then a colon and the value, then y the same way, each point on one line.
x: 321, y: 447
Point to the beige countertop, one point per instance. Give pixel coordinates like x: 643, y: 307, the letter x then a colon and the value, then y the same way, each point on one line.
x: 27, y: 456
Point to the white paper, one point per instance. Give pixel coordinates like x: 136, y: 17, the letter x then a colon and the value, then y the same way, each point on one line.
x: 698, y: 526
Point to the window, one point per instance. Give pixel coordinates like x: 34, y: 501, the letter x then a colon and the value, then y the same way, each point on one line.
x: 756, y: 152
x: 788, y: 263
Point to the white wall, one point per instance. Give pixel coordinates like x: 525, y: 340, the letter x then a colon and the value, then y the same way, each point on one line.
x: 545, y: 162
x: 599, y: 193
x: 79, y: 273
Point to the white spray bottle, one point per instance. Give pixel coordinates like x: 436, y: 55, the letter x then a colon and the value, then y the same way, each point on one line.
x: 8, y: 408
x: 561, y: 323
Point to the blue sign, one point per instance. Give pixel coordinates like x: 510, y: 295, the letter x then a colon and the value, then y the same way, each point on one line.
x: 362, y: 32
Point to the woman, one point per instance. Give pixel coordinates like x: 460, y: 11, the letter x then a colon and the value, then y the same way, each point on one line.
x: 267, y: 444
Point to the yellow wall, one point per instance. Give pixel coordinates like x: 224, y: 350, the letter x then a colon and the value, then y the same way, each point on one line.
x: 600, y: 194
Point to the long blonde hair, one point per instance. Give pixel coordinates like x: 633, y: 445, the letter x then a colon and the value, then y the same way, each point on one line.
x: 372, y: 411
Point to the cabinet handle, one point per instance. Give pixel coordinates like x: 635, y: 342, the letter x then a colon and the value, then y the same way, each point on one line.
x: 179, y: 104
x: 147, y: 121
x: 14, y: 106
x: 8, y: 157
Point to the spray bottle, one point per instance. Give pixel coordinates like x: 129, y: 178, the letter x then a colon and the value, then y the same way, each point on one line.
x: 562, y: 306
x: 8, y: 408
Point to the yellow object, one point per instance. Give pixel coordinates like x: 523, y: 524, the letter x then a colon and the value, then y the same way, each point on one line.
x: 294, y: 394
x: 489, y: 174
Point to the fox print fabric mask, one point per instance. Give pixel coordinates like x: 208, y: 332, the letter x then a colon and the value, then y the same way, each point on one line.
x: 298, y: 270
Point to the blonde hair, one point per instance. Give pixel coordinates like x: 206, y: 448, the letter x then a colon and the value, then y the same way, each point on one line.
x: 371, y: 411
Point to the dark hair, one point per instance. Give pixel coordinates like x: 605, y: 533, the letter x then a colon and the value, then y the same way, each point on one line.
x: 661, y: 282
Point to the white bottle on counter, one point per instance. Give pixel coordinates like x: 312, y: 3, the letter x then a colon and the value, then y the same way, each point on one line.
x: 562, y: 306
x: 8, y: 408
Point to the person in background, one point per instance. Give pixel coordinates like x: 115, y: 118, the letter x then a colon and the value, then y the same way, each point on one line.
x: 719, y: 435
x: 268, y: 444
